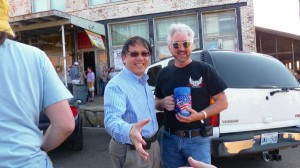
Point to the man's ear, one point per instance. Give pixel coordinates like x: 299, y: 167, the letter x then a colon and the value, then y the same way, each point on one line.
x: 123, y: 58
x: 169, y: 47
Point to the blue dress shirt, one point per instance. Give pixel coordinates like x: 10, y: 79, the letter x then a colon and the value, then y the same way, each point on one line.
x: 127, y: 100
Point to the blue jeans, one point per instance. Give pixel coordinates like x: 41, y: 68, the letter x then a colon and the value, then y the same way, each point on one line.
x: 176, y: 150
x: 100, y: 88
x: 103, y: 87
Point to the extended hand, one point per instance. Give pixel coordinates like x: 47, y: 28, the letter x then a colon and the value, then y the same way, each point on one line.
x: 136, y: 138
x: 198, y: 164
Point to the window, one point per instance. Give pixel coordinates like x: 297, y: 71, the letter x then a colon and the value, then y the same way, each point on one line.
x: 246, y: 70
x: 220, y: 30
x: 152, y: 73
x: 123, y: 31
x: 161, y: 33
x: 98, y: 2
x: 45, y: 5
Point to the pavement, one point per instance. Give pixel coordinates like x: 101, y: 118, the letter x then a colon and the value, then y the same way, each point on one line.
x: 93, y: 155
x: 92, y: 113
x: 98, y: 100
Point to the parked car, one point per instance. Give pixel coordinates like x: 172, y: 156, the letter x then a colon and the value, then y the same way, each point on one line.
x: 75, y: 140
x: 264, y: 100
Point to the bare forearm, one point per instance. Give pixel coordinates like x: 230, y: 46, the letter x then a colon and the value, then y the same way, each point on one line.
x: 54, y: 137
x: 62, y: 124
x: 219, y: 105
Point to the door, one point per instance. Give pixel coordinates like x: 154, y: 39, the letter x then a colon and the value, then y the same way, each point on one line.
x: 89, y: 61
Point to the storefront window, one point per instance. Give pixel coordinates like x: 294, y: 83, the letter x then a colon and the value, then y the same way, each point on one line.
x: 120, y: 33
x: 220, y: 30
x: 45, y: 5
x: 161, y: 33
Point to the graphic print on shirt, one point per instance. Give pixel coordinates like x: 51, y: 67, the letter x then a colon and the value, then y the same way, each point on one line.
x: 196, y: 83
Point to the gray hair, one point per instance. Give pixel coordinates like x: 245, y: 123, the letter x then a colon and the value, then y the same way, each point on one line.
x: 182, y: 28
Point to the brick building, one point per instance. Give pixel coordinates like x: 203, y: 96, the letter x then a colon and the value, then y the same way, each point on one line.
x: 226, y: 24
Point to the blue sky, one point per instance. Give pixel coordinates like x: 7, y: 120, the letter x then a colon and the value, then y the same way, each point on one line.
x: 281, y: 15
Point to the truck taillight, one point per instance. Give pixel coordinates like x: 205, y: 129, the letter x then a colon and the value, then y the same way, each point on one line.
x: 214, y: 120
x: 74, y: 110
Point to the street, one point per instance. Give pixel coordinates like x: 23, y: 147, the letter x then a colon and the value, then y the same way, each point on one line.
x: 95, y: 155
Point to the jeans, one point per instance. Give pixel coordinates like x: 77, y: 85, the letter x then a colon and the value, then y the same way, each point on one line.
x: 103, y: 88
x: 176, y: 150
x: 100, y: 88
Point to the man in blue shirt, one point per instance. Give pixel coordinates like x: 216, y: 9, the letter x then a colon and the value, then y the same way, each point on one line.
x: 130, y: 116
x: 74, y: 73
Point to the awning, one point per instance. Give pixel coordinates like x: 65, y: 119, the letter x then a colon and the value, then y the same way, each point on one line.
x: 49, y: 22
x: 277, y: 33
x: 96, y: 40
x: 52, y: 23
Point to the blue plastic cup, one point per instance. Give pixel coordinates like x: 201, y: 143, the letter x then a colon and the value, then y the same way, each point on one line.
x: 183, y: 100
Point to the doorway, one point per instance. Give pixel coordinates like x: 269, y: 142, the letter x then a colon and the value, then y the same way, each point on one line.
x: 89, y: 61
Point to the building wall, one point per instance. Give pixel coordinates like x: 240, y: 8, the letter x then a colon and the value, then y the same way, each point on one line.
x: 248, y: 28
x: 131, y: 8
x: 139, y: 7
x: 19, y: 7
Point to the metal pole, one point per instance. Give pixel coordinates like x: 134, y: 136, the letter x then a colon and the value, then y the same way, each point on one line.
x: 64, y: 53
x: 260, y: 45
x: 293, y: 55
x: 276, y: 49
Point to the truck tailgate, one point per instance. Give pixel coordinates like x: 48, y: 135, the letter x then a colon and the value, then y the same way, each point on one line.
x: 256, y: 109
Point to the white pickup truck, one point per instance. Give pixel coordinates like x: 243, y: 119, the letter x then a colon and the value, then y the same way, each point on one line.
x: 263, y: 115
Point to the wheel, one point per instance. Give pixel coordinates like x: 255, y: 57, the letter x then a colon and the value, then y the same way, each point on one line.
x: 77, y: 144
x: 266, y: 156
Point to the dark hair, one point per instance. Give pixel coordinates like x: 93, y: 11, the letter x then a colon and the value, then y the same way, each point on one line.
x: 136, y: 40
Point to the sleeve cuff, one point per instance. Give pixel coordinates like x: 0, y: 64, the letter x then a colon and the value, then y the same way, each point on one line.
x: 126, y: 137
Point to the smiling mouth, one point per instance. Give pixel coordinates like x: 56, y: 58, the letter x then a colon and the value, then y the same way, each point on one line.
x: 140, y: 65
x: 181, y: 52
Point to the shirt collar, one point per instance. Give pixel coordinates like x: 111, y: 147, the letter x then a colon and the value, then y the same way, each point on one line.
x: 143, y: 80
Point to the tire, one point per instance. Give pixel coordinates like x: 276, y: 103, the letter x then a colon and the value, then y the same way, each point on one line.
x: 77, y: 144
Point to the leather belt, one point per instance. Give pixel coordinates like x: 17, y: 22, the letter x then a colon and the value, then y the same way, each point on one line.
x: 148, y: 142
x: 184, y: 133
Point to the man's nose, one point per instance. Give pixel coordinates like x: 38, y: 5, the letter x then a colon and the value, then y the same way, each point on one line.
x: 181, y: 47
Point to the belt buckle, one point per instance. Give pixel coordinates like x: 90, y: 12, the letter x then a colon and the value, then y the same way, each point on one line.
x: 180, y: 133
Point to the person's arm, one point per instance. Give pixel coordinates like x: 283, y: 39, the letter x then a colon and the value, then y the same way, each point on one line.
x: 219, y: 105
x: 62, y: 124
x: 114, y: 109
x: 93, y: 81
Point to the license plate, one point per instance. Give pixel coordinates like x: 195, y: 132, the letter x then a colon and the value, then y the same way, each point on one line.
x: 269, y: 138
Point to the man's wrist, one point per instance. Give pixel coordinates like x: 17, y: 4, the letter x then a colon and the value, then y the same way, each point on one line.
x: 205, y: 114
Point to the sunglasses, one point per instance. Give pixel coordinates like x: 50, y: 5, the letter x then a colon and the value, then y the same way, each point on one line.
x: 185, y: 44
x: 136, y: 54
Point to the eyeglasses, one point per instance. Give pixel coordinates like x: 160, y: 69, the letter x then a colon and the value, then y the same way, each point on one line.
x: 136, y: 54
x: 185, y: 44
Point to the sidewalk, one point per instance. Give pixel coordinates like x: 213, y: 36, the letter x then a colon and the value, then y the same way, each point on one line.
x: 98, y: 100
x: 92, y: 113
